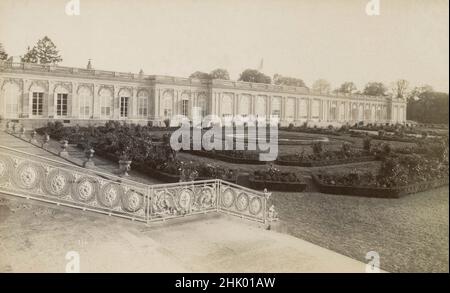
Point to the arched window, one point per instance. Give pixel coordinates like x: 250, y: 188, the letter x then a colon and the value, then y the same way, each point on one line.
x: 37, y: 100
x: 106, y: 103
x: 303, y: 108
x: 124, y: 96
x: 85, y: 101
x: 167, y: 104
x: 244, y: 105
x: 142, y: 104
x: 61, y: 102
x: 202, y: 104
x: 276, y: 107
x: 226, y: 106
x: 260, y: 107
x: 11, y: 94
x: 290, y: 109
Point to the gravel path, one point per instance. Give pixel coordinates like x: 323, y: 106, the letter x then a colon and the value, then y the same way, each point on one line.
x: 411, y: 234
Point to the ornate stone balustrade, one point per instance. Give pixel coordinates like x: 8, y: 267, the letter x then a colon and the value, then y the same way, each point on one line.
x: 35, y: 177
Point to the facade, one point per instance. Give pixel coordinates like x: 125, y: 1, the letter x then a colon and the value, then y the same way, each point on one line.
x: 35, y: 94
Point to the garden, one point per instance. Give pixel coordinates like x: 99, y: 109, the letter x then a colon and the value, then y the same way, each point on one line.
x: 402, y: 169
x: 402, y: 172
x: 324, y: 157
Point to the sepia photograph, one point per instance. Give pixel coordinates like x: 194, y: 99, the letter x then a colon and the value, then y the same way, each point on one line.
x: 224, y: 136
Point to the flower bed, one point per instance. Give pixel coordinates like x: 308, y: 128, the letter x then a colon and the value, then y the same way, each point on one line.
x: 228, y: 158
x: 322, y: 157
x: 274, y: 179
x: 382, y: 192
x: 398, y: 175
x: 288, y: 161
x: 277, y: 185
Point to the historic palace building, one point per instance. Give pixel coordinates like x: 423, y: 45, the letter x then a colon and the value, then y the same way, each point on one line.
x: 34, y: 94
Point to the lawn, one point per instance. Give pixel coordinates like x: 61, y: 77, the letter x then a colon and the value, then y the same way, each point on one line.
x: 411, y: 234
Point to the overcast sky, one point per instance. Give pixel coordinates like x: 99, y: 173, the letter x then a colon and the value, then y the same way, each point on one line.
x: 335, y: 40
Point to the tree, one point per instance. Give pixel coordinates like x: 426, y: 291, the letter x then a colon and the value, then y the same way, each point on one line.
x: 47, y: 52
x: 220, y: 73
x: 30, y: 56
x: 428, y: 107
x: 419, y: 90
x: 200, y: 75
x: 44, y: 52
x: 3, y: 55
x: 399, y: 89
x: 375, y: 89
x: 278, y: 79
x: 253, y: 75
x: 321, y: 87
x: 347, y: 87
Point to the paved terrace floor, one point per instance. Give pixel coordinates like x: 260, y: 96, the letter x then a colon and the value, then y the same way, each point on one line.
x: 35, y: 237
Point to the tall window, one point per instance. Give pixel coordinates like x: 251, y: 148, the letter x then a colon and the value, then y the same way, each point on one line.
x: 37, y: 104
x: 85, y: 100
x: 61, y: 104
x: 142, y: 107
x: 123, y: 106
x: 276, y: 107
x: 106, y: 102
x: 12, y: 94
x: 185, y: 107
x: 167, y: 106
x: 105, y: 106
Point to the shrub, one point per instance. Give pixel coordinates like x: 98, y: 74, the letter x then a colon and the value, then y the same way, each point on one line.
x: 367, y: 142
x: 317, y: 148
x: 167, y: 122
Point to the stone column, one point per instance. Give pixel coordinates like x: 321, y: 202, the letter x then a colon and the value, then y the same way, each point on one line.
x: 74, y: 101
x: 26, y: 110
x: 96, y: 110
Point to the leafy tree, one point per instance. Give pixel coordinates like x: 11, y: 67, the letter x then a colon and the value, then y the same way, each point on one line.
x: 253, y: 75
x: 200, y: 75
x: 321, y: 87
x: 400, y: 88
x: 44, y: 52
x: 3, y: 55
x: 220, y: 73
x: 419, y: 90
x: 30, y: 56
x: 428, y: 107
x: 375, y: 89
x: 278, y: 79
x: 47, y: 52
x: 347, y: 87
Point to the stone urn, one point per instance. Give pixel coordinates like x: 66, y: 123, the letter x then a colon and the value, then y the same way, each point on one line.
x: 124, y: 167
x: 89, y: 163
x: 33, y: 137
x: 23, y: 133
x: 45, y: 141
x: 63, y: 152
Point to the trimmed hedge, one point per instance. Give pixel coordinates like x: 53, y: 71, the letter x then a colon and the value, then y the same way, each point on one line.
x: 276, y: 185
x: 325, y: 162
x: 154, y: 173
x: 228, y: 159
x: 381, y: 192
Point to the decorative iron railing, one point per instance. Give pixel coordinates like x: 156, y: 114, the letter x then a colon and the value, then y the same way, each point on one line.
x: 31, y: 176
